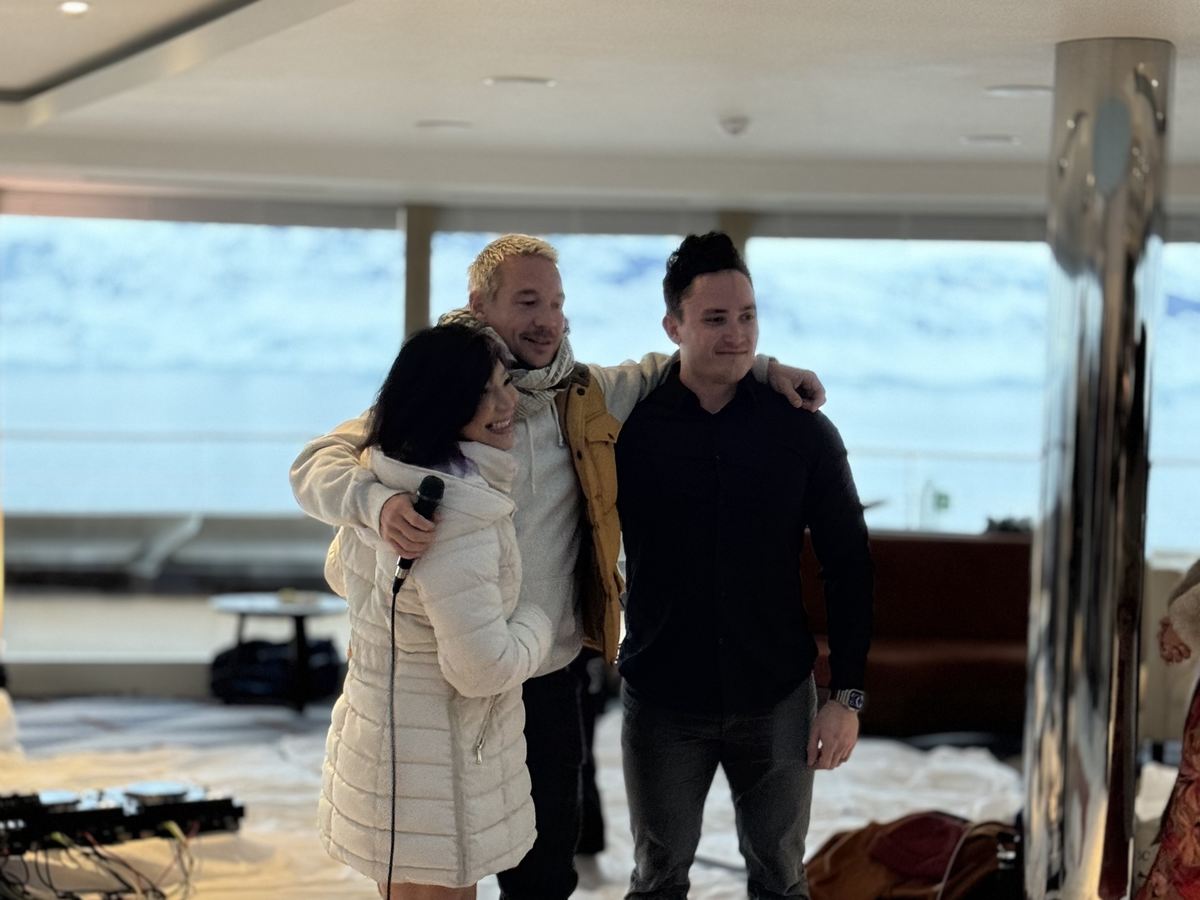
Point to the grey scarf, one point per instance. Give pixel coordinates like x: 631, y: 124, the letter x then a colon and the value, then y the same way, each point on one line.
x: 537, y: 387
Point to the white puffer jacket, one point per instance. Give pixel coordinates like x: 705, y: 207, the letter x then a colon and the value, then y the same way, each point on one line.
x: 463, y: 648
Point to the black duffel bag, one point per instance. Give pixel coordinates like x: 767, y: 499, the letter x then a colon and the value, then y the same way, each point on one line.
x: 264, y: 672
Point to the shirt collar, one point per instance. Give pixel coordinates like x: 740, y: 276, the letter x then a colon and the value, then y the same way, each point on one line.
x: 678, y: 396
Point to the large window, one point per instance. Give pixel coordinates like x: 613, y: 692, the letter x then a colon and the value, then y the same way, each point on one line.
x: 933, y: 353
x: 165, y: 367
x: 934, y: 356
x: 156, y: 367
x: 613, y: 286
x: 1173, y: 510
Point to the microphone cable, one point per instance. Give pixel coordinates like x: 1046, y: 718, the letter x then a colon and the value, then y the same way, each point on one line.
x: 429, y: 495
x: 391, y: 701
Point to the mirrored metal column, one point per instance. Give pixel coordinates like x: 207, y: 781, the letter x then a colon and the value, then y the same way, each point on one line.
x: 1105, y: 225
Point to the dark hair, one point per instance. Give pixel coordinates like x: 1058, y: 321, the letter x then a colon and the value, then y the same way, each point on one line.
x: 431, y: 392
x: 698, y: 255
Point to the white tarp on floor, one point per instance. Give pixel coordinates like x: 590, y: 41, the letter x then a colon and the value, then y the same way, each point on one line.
x: 277, y: 854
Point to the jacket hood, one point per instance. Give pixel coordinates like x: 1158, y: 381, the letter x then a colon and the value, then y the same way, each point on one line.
x: 476, y: 503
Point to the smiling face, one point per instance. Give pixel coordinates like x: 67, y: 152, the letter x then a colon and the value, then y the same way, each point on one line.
x: 716, y: 330
x: 492, y: 423
x: 527, y: 310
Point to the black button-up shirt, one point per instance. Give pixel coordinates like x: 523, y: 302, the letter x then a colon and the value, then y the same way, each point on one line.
x: 714, y: 508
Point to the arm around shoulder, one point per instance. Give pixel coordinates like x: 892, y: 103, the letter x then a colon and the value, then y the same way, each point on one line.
x: 800, y: 387
x: 332, y: 486
x: 626, y: 384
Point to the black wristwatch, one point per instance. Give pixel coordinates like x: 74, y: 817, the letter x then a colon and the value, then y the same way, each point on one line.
x: 851, y: 698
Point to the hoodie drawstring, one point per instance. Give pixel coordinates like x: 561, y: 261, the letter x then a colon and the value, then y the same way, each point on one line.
x: 532, y: 460
x: 561, y: 441
x: 562, y: 438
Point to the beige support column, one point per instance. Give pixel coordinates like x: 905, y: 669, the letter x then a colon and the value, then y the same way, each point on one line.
x: 739, y: 225
x: 419, y: 225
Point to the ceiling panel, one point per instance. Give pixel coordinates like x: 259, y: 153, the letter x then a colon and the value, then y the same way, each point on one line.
x: 40, y: 46
x: 343, y: 98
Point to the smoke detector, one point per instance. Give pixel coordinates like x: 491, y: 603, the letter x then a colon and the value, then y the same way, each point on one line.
x: 734, y: 125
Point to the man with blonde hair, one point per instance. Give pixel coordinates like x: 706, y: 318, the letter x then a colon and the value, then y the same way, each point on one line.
x: 567, y: 420
x: 481, y: 274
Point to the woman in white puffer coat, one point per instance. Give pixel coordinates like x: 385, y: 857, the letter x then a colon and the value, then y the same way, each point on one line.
x: 460, y: 799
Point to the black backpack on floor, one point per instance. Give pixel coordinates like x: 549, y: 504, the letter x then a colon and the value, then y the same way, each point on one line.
x: 264, y: 672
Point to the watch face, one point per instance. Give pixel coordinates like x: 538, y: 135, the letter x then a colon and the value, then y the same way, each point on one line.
x: 852, y: 699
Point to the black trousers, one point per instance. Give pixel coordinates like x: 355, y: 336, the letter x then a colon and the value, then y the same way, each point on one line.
x: 594, y: 679
x: 554, y: 755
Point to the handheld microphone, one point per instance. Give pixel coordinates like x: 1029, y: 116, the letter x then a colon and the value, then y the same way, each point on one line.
x: 429, y: 495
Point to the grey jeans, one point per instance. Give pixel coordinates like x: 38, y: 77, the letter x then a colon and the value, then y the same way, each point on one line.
x: 669, y: 760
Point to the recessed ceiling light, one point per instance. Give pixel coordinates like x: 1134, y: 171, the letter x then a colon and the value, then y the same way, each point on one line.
x: 990, y: 140
x: 1018, y: 90
x: 441, y: 123
x: 519, y: 80
x: 74, y: 7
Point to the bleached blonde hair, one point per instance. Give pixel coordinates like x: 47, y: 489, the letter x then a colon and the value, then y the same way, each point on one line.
x: 481, y: 274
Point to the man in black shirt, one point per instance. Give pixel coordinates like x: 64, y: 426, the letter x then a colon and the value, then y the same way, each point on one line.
x: 719, y: 479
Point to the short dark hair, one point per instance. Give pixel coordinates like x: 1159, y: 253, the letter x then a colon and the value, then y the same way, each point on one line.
x: 699, y: 254
x: 431, y: 392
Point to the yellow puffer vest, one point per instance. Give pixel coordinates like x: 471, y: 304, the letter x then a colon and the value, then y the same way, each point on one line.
x: 592, y: 436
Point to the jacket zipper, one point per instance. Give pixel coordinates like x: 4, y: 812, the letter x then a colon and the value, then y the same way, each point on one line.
x: 487, y: 717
